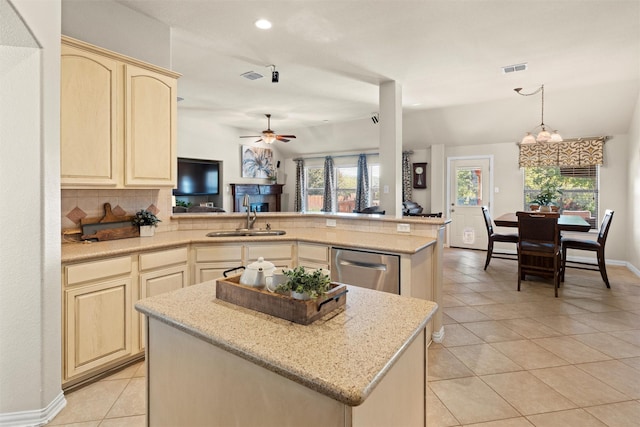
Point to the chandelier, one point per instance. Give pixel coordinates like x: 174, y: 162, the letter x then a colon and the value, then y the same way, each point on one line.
x: 544, y: 135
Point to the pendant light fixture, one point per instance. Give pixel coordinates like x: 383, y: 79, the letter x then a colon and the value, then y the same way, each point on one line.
x: 544, y: 135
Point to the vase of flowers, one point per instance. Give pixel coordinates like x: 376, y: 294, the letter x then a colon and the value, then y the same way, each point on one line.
x: 147, y: 222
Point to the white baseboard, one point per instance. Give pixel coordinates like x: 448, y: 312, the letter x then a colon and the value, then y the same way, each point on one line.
x: 36, y: 417
x: 438, y: 336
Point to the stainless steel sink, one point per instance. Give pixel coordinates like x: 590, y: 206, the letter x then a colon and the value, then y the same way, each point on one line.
x: 245, y: 232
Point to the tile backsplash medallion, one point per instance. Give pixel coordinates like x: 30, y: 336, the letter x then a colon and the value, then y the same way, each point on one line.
x: 78, y: 204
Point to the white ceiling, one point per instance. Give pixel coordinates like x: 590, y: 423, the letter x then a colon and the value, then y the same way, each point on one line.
x: 446, y: 54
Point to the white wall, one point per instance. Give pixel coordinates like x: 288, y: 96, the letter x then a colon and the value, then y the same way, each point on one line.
x: 633, y: 190
x: 199, y: 137
x: 113, y: 26
x: 30, y: 356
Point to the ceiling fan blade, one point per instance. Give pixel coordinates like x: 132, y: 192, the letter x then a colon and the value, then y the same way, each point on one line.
x: 259, y: 140
x: 281, y: 139
x: 251, y: 136
x: 288, y: 136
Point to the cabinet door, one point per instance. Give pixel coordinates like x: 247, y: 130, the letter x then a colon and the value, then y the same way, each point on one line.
x: 156, y: 283
x: 88, y: 116
x: 150, y: 134
x: 97, y: 325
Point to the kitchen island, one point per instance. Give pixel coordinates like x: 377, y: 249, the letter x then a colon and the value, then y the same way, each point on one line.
x: 210, y: 362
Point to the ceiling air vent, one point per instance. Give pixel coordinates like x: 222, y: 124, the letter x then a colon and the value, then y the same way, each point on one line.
x: 252, y: 75
x: 513, y: 68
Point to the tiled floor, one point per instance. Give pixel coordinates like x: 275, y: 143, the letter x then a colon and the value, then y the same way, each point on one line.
x: 508, y: 359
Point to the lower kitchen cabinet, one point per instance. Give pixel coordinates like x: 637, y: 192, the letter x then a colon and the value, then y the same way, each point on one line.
x: 280, y: 254
x: 160, y: 272
x: 97, y: 313
x: 212, y: 260
x: 313, y: 256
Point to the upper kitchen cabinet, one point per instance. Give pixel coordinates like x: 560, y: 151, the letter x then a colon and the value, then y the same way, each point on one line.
x: 118, y: 120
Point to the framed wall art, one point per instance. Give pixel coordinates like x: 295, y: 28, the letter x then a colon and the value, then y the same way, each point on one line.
x: 257, y: 162
x: 419, y: 175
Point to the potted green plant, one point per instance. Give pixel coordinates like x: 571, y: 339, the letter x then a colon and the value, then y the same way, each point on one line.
x: 147, y: 222
x: 546, y: 197
x: 304, y: 285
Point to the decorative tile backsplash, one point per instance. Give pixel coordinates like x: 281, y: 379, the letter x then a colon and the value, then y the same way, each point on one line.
x: 79, y: 204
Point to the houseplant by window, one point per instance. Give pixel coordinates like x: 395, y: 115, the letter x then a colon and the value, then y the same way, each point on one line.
x: 147, y: 222
x: 547, y: 197
x: 305, y: 285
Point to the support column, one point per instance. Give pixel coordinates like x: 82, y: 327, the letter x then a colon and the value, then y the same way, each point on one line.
x: 391, y: 148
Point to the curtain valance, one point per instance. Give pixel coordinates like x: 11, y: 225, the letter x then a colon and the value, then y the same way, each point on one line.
x: 570, y: 152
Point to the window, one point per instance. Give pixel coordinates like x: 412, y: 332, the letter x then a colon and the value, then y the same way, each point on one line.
x: 578, y: 189
x: 346, y: 183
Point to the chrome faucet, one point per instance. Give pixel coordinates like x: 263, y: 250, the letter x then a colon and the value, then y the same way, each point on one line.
x: 247, y: 204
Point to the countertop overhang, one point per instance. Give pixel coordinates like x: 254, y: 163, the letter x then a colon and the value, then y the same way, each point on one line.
x: 343, y: 355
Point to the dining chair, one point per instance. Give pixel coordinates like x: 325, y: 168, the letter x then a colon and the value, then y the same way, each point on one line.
x: 496, y: 237
x: 539, y: 247
x: 590, y: 245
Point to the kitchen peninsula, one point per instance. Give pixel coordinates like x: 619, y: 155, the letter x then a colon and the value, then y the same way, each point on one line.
x: 210, y: 362
x: 102, y: 281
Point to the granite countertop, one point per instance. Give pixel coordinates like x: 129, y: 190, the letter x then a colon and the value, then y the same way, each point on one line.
x: 393, y: 243
x: 343, y: 356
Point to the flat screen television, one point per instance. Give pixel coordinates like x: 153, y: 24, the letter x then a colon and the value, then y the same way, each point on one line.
x: 197, y: 177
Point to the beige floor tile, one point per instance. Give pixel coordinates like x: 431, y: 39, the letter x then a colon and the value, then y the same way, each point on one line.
x: 132, y: 401
x: 451, y: 301
x: 623, y: 414
x: 592, y: 305
x: 492, y: 331
x: 474, y: 299
x: 500, y: 311
x: 529, y: 328
x: 527, y: 393
x: 634, y: 362
x: 528, y: 354
x: 578, y: 386
x: 609, y: 322
x: 90, y: 403
x: 571, y: 350
x: 134, y: 421
x: 483, y: 359
x: 124, y: 374
x: 616, y: 374
x: 565, y: 325
x: 632, y: 336
x: 464, y: 314
x: 443, y: 365
x: 437, y: 414
x: 87, y: 424
x: 446, y: 320
x: 570, y: 418
x: 471, y: 401
x: 455, y: 335
x: 142, y: 370
x: 510, y: 422
x: 609, y: 345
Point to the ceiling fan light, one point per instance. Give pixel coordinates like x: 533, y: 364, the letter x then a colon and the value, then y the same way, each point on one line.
x: 528, y: 139
x: 269, y: 138
x: 555, y: 137
x: 543, y: 136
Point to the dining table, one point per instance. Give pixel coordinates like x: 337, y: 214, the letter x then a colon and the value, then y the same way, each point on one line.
x: 565, y: 222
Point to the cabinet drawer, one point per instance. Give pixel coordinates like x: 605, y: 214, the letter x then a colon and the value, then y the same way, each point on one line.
x: 318, y: 253
x: 96, y: 270
x: 219, y: 253
x: 149, y: 261
x: 269, y: 251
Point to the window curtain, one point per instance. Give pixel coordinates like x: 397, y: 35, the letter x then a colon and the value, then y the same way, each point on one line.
x: 406, y: 176
x: 570, y: 152
x: 299, y: 204
x: 329, y: 185
x: 362, y: 186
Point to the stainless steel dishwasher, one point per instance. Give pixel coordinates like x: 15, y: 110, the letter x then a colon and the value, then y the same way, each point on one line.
x: 371, y: 270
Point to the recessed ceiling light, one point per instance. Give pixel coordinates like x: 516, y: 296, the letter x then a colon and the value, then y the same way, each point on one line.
x: 263, y: 24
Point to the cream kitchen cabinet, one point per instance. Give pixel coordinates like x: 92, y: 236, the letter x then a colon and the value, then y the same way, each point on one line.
x: 97, y: 312
x: 118, y: 120
x: 281, y: 254
x: 313, y: 256
x: 160, y: 272
x: 210, y: 261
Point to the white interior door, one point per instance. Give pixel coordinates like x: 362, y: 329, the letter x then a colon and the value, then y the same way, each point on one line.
x: 469, y: 183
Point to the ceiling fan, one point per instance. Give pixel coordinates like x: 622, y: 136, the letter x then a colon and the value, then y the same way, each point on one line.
x: 268, y: 135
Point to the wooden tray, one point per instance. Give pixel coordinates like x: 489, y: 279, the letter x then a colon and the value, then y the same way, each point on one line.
x: 278, y: 305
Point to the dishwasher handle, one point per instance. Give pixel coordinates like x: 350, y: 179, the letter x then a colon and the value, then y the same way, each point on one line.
x: 375, y: 266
